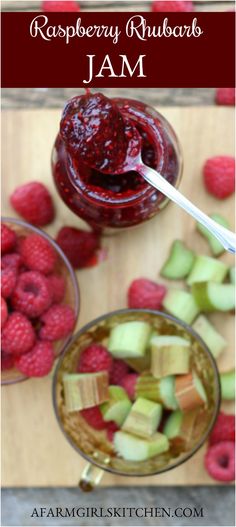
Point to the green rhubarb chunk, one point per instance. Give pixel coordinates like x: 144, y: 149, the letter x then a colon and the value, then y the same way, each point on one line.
x: 227, y: 383
x: 133, y: 448
x: 232, y: 275
x: 214, y: 341
x: 181, y: 304
x: 207, y: 269
x: 179, y: 263
x: 170, y: 355
x: 199, y: 387
x: 189, y: 391
x: 140, y: 364
x: 210, y: 296
x: 167, y: 392
x: 129, y: 339
x: 173, y: 424
x: 215, y: 246
x: 158, y: 390
x: 148, y: 387
x: 85, y: 390
x: 143, y: 418
x: 118, y: 406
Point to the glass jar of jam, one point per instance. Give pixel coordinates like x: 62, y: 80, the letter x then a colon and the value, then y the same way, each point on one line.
x: 110, y: 202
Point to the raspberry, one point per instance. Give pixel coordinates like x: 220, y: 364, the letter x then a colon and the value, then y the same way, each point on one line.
x: 8, y: 281
x: 172, y: 6
x: 38, y: 361
x: 224, y: 429
x: 34, y: 203
x: 225, y: 96
x: 63, y: 6
x: 57, y: 286
x: 8, y: 239
x: 118, y: 370
x: 220, y: 461
x: 79, y: 246
x: 7, y: 361
x: 219, y: 176
x: 129, y: 383
x: 4, y: 312
x: 111, y: 429
x: 94, y: 417
x: 18, y: 334
x: 58, y: 322
x: 95, y: 358
x: 32, y: 295
x: 38, y: 254
x: 145, y: 294
x: 12, y: 260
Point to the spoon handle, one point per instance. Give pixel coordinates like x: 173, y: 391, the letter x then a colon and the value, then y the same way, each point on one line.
x: 223, y: 235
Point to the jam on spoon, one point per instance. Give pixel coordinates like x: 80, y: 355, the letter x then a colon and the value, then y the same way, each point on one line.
x: 118, y: 148
x: 95, y: 131
x: 103, y: 188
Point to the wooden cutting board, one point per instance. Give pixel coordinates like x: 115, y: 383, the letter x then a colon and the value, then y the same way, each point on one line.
x: 35, y: 452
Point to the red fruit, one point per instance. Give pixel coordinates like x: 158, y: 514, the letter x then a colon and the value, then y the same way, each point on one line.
x: 172, y: 6
x: 63, y: 6
x: 7, y: 361
x: 129, y: 383
x: 118, y: 371
x: 32, y: 295
x: 58, y: 323
x: 79, y: 246
x: 8, y: 239
x: 8, y: 281
x: 145, y: 294
x: 111, y: 429
x: 38, y: 254
x: 224, y: 429
x: 94, y: 417
x: 95, y: 358
x: 4, y: 312
x: 219, y: 176
x: 225, y: 96
x: 18, y: 334
x: 12, y: 260
x: 34, y: 203
x: 220, y: 461
x: 57, y: 286
x: 38, y: 361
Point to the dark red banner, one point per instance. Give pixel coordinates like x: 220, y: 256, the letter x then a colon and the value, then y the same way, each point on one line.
x: 118, y: 49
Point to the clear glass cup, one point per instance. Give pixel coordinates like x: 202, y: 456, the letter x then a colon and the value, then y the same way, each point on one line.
x: 93, y: 445
x: 72, y: 296
x: 110, y: 203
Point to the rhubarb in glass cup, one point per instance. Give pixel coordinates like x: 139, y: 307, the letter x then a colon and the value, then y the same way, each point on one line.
x: 71, y: 297
x: 109, y: 202
x: 93, y: 445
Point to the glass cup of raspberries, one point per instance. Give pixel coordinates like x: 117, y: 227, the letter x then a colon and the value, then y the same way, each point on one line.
x: 39, y: 301
x: 136, y: 392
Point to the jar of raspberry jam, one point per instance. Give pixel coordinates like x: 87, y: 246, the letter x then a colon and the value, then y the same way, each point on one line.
x: 110, y: 202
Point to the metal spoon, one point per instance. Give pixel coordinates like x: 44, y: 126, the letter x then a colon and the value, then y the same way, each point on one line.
x: 134, y: 161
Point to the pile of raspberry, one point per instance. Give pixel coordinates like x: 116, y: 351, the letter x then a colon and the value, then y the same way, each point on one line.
x: 33, y: 315
x: 220, y: 456
x: 94, y: 358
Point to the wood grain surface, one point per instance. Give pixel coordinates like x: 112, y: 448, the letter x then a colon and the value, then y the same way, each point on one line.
x: 35, y: 453
x: 56, y: 97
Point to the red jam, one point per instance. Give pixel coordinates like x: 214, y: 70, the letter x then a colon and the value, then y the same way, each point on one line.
x: 94, y: 132
x: 111, y: 200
